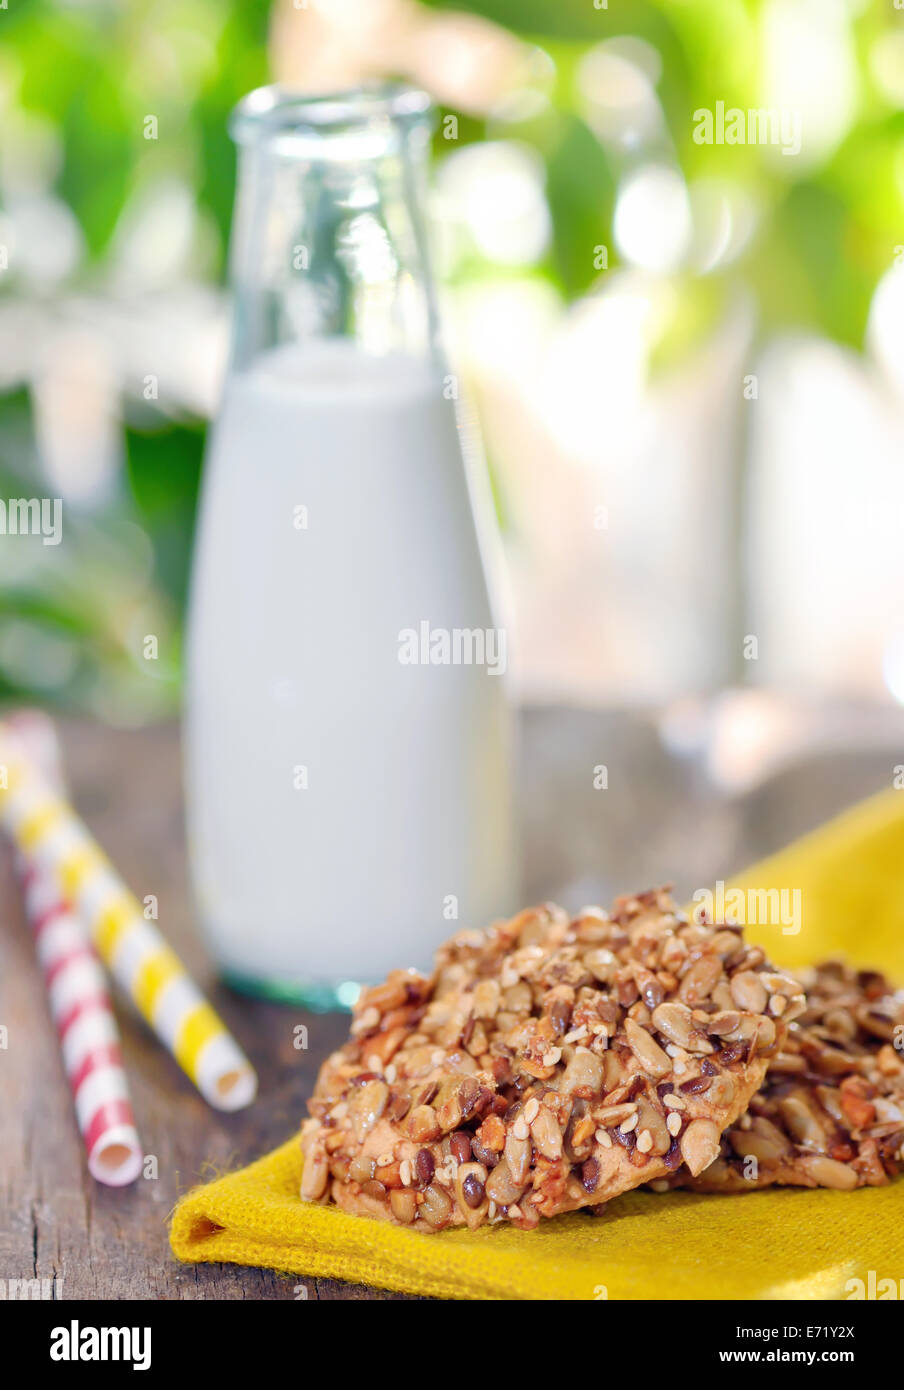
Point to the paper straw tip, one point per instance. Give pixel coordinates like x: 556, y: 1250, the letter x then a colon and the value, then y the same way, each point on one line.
x: 116, y: 1158
x: 233, y: 1089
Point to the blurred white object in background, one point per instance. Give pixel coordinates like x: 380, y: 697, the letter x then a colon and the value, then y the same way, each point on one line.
x: 826, y: 508
x: 809, y: 70
x: 77, y: 416
x: 496, y: 189
x: 652, y: 224
x: 885, y: 329
x: 618, y: 493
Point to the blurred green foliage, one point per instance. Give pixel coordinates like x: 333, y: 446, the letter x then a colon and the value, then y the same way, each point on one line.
x: 91, y: 73
x: 825, y: 234
x: 95, y: 71
x: 73, y: 618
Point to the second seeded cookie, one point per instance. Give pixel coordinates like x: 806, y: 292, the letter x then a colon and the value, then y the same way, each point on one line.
x: 548, y: 1063
x: 831, y: 1110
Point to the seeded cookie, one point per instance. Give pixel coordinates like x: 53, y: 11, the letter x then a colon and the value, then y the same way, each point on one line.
x: 548, y: 1063
x: 831, y: 1111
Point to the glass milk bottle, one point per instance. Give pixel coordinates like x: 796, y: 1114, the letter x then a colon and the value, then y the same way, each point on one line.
x: 347, y: 734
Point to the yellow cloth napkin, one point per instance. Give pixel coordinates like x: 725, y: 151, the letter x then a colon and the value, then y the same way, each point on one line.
x: 777, y: 1243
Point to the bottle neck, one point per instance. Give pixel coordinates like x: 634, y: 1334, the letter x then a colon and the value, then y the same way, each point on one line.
x: 329, y: 229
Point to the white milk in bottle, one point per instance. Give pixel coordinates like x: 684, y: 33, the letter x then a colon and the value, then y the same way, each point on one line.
x: 347, y: 733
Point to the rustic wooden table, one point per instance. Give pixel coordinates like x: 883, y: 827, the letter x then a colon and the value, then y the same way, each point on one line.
x: 657, y: 818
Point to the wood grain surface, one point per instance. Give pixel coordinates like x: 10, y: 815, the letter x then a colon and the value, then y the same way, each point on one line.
x: 655, y: 821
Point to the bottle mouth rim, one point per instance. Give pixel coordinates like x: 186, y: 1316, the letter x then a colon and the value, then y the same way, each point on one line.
x: 277, y: 110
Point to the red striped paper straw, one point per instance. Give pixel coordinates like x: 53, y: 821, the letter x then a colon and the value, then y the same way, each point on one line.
x: 78, y: 998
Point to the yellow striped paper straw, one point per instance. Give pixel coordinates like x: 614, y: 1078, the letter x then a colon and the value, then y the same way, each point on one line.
x: 47, y: 831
